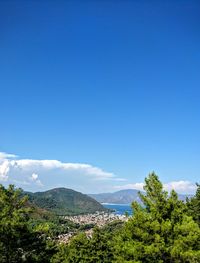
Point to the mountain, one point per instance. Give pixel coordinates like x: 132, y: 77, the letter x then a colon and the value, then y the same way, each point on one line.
x: 120, y: 197
x: 124, y: 197
x: 63, y: 201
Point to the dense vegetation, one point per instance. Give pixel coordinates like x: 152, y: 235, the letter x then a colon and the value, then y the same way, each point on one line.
x: 18, y: 241
x: 163, y: 229
x: 63, y: 201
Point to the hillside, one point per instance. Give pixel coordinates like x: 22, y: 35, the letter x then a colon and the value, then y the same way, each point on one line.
x: 63, y: 201
x: 123, y: 197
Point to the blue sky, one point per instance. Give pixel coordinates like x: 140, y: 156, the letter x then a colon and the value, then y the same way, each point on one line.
x: 110, y: 84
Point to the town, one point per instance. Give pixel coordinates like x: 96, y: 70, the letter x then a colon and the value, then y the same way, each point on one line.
x: 99, y: 219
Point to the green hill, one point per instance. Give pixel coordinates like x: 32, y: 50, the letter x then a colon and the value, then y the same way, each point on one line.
x: 63, y: 201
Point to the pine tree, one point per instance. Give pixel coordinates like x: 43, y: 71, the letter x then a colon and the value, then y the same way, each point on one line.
x: 160, y: 230
x: 193, y: 205
x: 17, y: 242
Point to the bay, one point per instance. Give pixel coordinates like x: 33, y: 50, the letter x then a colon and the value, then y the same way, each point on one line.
x: 119, y: 209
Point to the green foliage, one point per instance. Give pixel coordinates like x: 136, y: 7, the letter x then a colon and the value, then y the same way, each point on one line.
x: 13, y: 228
x: 86, y: 227
x: 98, y: 249
x: 164, y: 229
x: 17, y: 242
x: 112, y: 228
x: 161, y: 231
x: 52, y: 227
x: 193, y: 205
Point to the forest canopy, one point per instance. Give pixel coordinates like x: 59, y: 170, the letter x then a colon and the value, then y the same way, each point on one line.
x: 163, y: 229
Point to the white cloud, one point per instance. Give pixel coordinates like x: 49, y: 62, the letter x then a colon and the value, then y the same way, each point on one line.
x: 53, y: 173
x: 4, y: 155
x: 180, y: 186
x: 85, y: 169
x: 4, y: 170
x: 137, y: 186
x: 34, y: 177
x: 184, y: 187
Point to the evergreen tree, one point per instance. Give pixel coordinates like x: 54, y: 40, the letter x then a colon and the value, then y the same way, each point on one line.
x: 160, y: 230
x: 17, y: 242
x: 81, y: 249
x: 193, y: 205
x: 74, y: 252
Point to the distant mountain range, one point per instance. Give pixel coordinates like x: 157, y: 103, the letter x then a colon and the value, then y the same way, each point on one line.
x: 123, y: 197
x: 63, y: 201
x: 119, y: 197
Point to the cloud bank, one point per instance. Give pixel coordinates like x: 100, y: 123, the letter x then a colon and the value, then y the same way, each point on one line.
x: 40, y: 175
x: 33, y: 174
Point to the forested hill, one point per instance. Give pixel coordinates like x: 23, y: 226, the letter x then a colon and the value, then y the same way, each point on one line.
x: 63, y: 201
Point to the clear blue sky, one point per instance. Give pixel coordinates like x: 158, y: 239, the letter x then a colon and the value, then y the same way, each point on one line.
x: 114, y: 84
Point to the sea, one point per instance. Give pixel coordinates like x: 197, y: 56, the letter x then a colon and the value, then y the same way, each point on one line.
x: 119, y: 209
